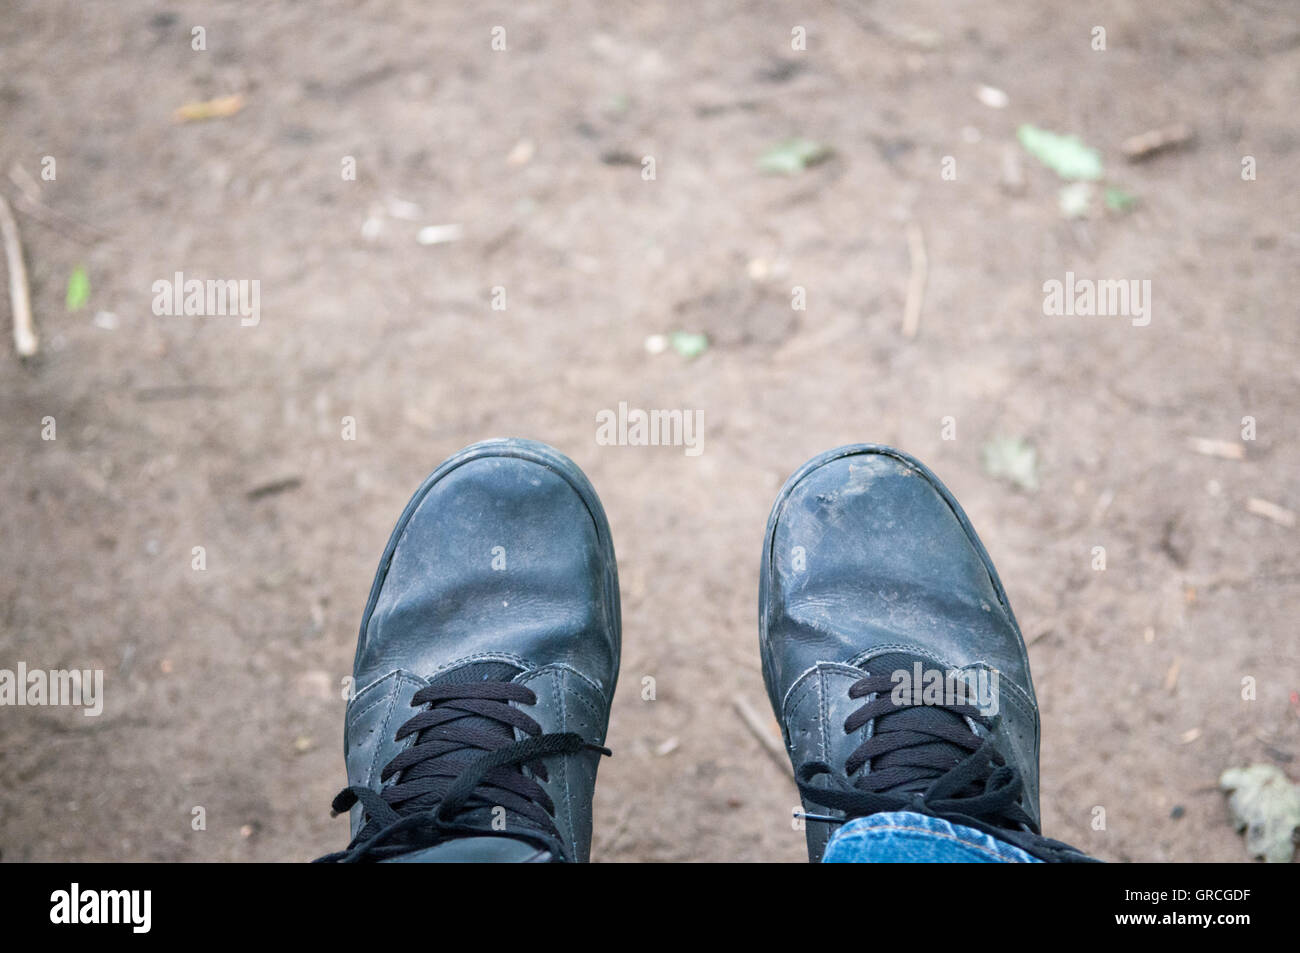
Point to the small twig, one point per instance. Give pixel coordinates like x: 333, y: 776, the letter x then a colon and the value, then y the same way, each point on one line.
x: 760, y: 731
x: 1147, y: 144
x: 1270, y: 511
x: 1171, y: 676
x: 915, y: 283
x: 1224, y: 449
x: 25, y: 341
x: 29, y: 200
x: 273, y: 487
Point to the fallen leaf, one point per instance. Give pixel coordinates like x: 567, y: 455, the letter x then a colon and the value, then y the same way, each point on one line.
x: 688, y: 344
x: 1067, y: 156
x: 1117, y: 200
x: 78, y: 289
x: 793, y: 156
x: 1012, y: 459
x: 1266, y: 805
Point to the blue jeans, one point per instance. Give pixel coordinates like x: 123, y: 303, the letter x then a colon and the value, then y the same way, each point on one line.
x: 908, y: 838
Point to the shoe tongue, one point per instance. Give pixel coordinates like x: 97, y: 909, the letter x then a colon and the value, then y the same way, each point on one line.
x: 501, y: 733
x: 479, y: 672
x: 922, y: 717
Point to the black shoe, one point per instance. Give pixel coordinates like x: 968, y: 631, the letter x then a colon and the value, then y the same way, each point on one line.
x: 873, y: 586
x: 486, y: 664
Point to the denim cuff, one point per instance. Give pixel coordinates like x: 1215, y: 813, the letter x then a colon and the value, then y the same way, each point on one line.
x: 910, y: 838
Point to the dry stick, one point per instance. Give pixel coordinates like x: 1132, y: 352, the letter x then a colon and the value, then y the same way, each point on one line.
x: 1149, y: 143
x: 1278, y: 514
x: 916, y: 283
x: 29, y: 200
x: 760, y: 731
x: 24, y: 333
x: 1225, y: 449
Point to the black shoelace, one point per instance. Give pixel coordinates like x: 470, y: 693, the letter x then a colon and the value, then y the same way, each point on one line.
x: 463, y: 765
x: 925, y: 758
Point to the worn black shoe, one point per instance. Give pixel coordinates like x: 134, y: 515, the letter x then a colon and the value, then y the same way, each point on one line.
x: 486, y: 664
x: 891, y: 655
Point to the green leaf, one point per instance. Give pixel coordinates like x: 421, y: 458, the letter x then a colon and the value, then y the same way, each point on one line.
x: 688, y: 344
x: 1012, y: 459
x: 793, y: 156
x: 1117, y: 200
x: 78, y: 289
x: 1267, y: 806
x: 1067, y: 156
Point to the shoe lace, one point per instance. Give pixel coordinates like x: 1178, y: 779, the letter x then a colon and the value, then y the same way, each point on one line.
x: 935, y: 761
x: 929, y: 762
x: 462, y: 762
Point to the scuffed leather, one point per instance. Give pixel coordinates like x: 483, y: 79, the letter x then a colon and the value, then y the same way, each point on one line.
x: 890, y: 564
x: 438, y: 604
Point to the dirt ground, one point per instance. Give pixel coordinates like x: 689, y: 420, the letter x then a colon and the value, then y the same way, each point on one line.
x: 222, y: 686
